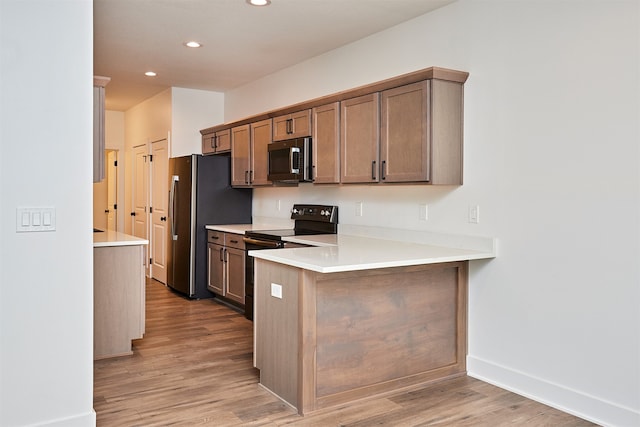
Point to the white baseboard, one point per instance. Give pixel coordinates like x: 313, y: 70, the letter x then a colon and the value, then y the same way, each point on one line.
x: 574, y: 402
x: 81, y: 420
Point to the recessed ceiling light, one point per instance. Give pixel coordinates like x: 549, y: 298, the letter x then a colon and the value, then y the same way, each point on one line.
x: 259, y: 2
x: 150, y: 74
x: 192, y: 44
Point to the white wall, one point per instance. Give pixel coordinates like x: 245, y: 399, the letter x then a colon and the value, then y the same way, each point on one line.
x: 552, y: 159
x: 46, y: 278
x: 193, y: 110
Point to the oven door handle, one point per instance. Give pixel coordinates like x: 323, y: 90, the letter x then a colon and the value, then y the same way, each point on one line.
x: 262, y: 243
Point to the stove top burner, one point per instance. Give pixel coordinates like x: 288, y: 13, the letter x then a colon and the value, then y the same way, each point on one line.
x: 309, y: 220
x: 270, y: 234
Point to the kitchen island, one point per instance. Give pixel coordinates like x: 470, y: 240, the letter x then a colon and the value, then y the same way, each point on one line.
x: 360, y: 316
x: 118, y: 292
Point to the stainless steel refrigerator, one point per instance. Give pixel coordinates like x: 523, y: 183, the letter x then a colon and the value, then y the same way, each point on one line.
x: 200, y: 193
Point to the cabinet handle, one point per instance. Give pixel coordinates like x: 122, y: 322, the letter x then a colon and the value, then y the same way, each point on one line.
x: 233, y: 241
x: 246, y: 177
x: 250, y: 177
x: 289, y: 126
x: 382, y: 170
x: 163, y: 218
x: 213, y: 142
x: 373, y: 170
x: 221, y: 254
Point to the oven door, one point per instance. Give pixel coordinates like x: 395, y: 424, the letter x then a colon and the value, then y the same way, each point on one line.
x: 252, y: 244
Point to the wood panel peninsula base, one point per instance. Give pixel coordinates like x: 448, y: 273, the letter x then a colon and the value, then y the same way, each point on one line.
x: 118, y: 296
x: 333, y: 338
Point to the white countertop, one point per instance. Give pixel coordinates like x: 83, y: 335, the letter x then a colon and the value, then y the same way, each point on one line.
x: 241, y: 228
x: 349, y: 253
x: 114, y: 238
x: 364, y: 248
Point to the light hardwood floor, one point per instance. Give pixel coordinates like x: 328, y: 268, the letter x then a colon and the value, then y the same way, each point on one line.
x: 194, y: 367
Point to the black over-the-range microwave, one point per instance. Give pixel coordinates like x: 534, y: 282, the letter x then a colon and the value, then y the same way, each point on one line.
x: 290, y: 160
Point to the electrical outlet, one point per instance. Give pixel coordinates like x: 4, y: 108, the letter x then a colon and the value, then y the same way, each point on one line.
x: 423, y: 212
x: 276, y: 290
x: 474, y: 214
x: 278, y: 205
x: 358, y: 208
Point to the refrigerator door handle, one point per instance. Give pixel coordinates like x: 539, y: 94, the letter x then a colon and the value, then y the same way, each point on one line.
x: 172, y: 207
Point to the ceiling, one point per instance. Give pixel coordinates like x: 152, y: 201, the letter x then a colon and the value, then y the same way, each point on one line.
x: 240, y: 43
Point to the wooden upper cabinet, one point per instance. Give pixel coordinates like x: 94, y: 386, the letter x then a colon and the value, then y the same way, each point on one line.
x: 446, y: 108
x: 216, y: 142
x: 404, y: 129
x: 359, y: 139
x: 404, y: 145
x: 293, y: 125
x: 249, y: 158
x: 260, y: 140
x: 240, y: 156
x: 325, y: 140
x: 99, y: 127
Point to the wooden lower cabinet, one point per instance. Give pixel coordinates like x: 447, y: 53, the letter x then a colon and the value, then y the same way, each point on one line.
x: 334, y: 338
x: 226, y: 266
x: 118, y: 299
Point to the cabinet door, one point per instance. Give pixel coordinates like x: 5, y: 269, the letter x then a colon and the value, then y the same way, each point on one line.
x: 260, y: 140
x: 301, y: 124
x: 326, y: 144
x: 208, y: 143
x: 240, y: 154
x: 235, y: 274
x: 215, y: 270
x: 404, y: 146
x: 360, y: 133
x: 223, y: 141
x: 295, y: 125
x: 281, y: 127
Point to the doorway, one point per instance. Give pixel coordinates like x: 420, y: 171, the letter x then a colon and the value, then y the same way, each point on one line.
x: 150, y: 204
x: 105, y: 195
x: 159, y: 209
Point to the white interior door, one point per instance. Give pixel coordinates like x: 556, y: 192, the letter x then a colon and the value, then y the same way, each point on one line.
x: 111, y: 170
x: 159, y: 209
x: 100, y: 204
x: 140, y: 195
x: 105, y: 195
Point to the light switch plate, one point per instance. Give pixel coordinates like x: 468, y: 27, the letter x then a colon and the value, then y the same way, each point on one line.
x: 35, y: 219
x: 474, y: 214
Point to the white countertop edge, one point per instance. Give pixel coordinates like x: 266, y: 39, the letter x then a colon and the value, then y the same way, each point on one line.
x: 272, y: 255
x: 261, y: 224
x: 110, y: 238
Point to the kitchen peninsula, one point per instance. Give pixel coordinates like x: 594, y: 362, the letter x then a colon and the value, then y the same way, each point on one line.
x: 362, y: 313
x: 118, y: 292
